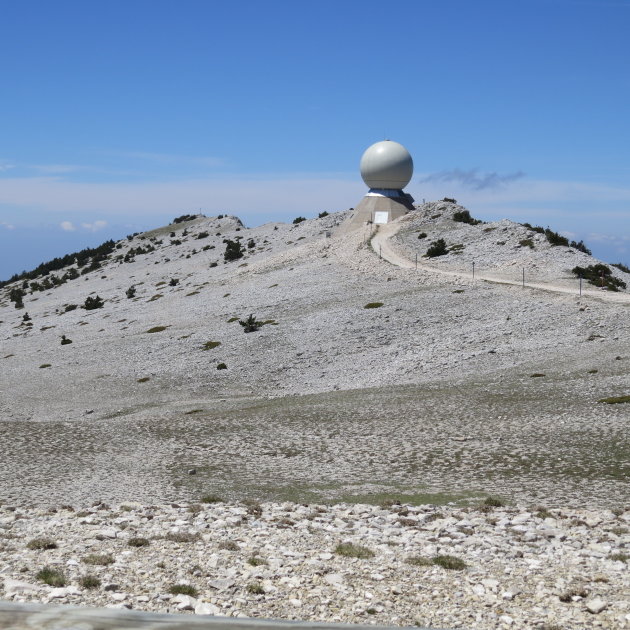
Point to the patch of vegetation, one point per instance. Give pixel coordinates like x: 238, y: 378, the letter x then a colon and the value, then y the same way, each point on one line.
x: 192, y: 411
x: 615, y: 400
x: 222, y: 366
x: 456, y: 249
x: 251, y: 324
x: 92, y: 303
x: 65, y: 341
x: 70, y: 307
x: 567, y: 596
x: 40, y: 544
x: 138, y: 542
x: 233, y: 250
x: 209, y: 345
x: 229, y: 545
x: 45, y: 365
x: 493, y: 502
x: 619, y: 557
x: 458, y: 291
x: 580, y: 246
x: 451, y: 563
x: 232, y: 319
x: 157, y: 329
x: 422, y: 235
x: 131, y: 292
x: 211, y: 498
x: 463, y: 216
x: 255, y: 561
x: 599, y: 275
x: 621, y: 267
x: 202, y: 235
x: 373, y: 305
x: 537, y: 375
x: 173, y: 282
x: 437, y: 248
x: 183, y: 218
x: 526, y: 242
x: 419, y: 561
x: 89, y: 582
x: 298, y: 220
x: 593, y: 371
x: 51, y: 576
x: 144, y: 379
x: 255, y: 588
x: 183, y: 589
x: 157, y: 296
x: 323, y: 214
x: 350, y: 550
x: 102, y: 560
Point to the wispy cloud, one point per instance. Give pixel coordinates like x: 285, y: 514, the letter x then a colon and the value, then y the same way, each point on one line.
x: 5, y: 166
x: 67, y: 226
x: 94, y: 227
x: 173, y: 158
x: 7, y: 226
x: 472, y: 178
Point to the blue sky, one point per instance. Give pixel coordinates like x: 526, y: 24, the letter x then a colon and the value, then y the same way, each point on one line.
x: 117, y: 116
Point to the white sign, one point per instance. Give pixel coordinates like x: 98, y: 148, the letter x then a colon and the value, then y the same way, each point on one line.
x: 381, y: 217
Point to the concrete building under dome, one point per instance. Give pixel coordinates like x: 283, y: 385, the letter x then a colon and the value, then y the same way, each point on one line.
x: 386, y: 168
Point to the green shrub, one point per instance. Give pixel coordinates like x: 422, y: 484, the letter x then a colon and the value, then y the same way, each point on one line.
x: 373, y: 305
x: 580, y: 246
x: 251, y: 324
x: 211, y: 498
x: 419, y: 561
x: 222, y: 366
x: 144, y: 379
x: 255, y: 588
x: 256, y: 561
x: 449, y: 200
x: 452, y: 563
x: 45, y: 365
x: 99, y: 559
x: 233, y: 250
x: 173, y: 282
x: 138, y: 542
x: 89, y: 581
x: 92, y: 303
x: 493, y: 502
x: 65, y: 341
x: 622, y: 267
x: 41, y: 544
x: 51, y: 576
x: 437, y: 248
x: 463, y: 216
x: 323, y: 214
x: 599, y: 275
x: 526, y: 242
x: 183, y: 589
x: 619, y: 557
x: 298, y: 220
x: 181, y: 537
x: 615, y: 400
x: 229, y: 545
x: 157, y: 329
x: 209, y: 345
x: 537, y: 375
x: 232, y: 319
x: 556, y: 239
x: 422, y: 235
x: 350, y: 550
x: 183, y: 218
x: 130, y: 292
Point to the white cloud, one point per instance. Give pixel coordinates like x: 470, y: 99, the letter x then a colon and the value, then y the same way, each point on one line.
x: 6, y: 167
x: 8, y: 226
x: 94, y: 227
x: 67, y: 226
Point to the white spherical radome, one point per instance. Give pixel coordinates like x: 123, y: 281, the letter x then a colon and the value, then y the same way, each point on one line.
x: 386, y: 164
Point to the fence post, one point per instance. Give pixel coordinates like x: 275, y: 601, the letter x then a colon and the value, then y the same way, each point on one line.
x: 473, y: 269
x: 523, y: 277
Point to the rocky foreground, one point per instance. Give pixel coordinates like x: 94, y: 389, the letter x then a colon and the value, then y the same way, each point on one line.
x: 443, y: 567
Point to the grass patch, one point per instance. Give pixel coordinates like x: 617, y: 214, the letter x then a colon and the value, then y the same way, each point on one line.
x: 181, y: 537
x: 373, y: 305
x: 232, y: 319
x: 211, y: 344
x: 615, y: 400
x: 256, y: 562
x: 183, y: 589
x: 211, y: 498
x: 451, y: 563
x: 89, y: 582
x: 144, y: 379
x: 51, y: 576
x: 99, y: 559
x: 45, y: 365
x: 229, y: 545
x: 138, y: 542
x: 221, y: 366
x: 188, y: 413
x: 537, y: 375
x: 157, y: 329
x: 419, y: 561
x: 41, y: 544
x: 255, y: 588
x: 526, y: 242
x: 619, y: 557
x: 350, y: 550
x: 493, y: 502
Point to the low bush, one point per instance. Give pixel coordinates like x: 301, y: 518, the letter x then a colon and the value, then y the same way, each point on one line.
x: 102, y: 560
x: 255, y: 561
x: 422, y: 235
x: 156, y: 329
x: 449, y: 200
x: 184, y: 217
x: 420, y: 561
x: 493, y: 502
x: 181, y: 537
x: 183, y: 589
x: 131, y: 292
x: 40, y: 544
x: 211, y: 498
x: 580, y: 246
x: 89, y: 582
x: 463, y: 216
x: 437, y: 248
x: 615, y: 400
x: 144, y: 379
x: 51, y: 576
x: 373, y: 305
x: 451, y: 563
x: 526, y: 242
x: 621, y: 267
x: 233, y: 250
x: 209, y: 345
x: 229, y: 545
x: 251, y: 324
x: 298, y: 220
x: 222, y: 366
x: 599, y: 275
x: 65, y: 341
x: 138, y: 542
x: 255, y: 588
x: 323, y: 214
x: 350, y: 550
x: 92, y: 303
x: 45, y: 365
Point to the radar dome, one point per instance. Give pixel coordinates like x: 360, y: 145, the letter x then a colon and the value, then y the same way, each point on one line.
x: 386, y: 164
